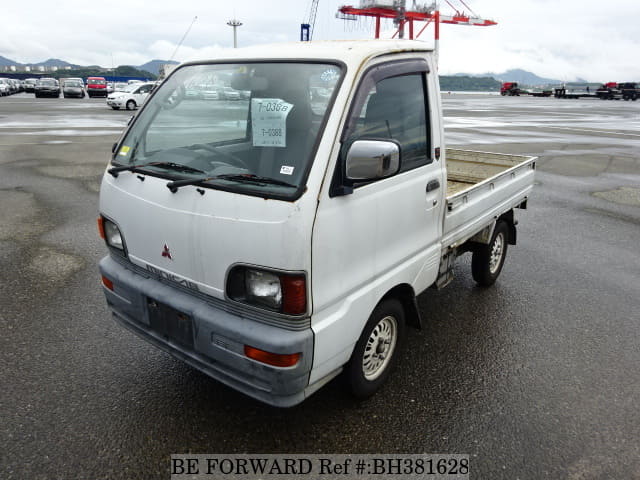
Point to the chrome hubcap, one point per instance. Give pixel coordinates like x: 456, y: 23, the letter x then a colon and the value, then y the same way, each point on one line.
x: 496, y: 253
x: 379, y: 348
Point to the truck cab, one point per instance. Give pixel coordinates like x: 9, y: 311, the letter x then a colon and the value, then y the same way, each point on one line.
x: 279, y: 240
x: 510, y: 89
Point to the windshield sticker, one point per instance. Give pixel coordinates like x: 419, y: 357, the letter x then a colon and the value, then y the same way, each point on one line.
x: 124, y: 151
x: 269, y: 121
x: 286, y: 170
x: 330, y: 75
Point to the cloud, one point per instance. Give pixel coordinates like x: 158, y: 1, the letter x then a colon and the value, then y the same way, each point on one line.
x: 565, y: 40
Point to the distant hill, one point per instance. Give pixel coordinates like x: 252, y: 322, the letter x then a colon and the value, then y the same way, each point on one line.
x: 5, y: 62
x: 154, y: 65
x: 524, y: 77
x: 151, y: 67
x: 55, y: 62
x: 521, y: 76
x: 461, y: 83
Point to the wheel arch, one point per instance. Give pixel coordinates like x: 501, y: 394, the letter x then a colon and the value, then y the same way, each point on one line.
x: 405, y: 294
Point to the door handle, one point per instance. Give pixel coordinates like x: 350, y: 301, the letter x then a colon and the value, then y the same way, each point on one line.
x: 433, y: 185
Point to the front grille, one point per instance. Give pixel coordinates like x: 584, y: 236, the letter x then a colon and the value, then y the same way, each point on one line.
x: 267, y: 318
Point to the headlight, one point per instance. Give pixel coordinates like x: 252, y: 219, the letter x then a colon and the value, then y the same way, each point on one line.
x: 110, y: 232
x: 276, y: 291
x: 263, y: 288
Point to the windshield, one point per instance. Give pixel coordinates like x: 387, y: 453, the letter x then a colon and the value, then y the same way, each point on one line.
x: 97, y: 82
x: 249, y: 128
x: 73, y: 83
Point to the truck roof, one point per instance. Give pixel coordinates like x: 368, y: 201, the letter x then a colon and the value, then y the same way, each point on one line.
x: 348, y: 51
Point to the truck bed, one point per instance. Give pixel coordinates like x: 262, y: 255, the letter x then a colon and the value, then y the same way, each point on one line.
x: 482, y: 186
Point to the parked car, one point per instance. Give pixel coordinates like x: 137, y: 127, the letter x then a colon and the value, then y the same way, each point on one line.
x: 110, y: 87
x: 120, y: 86
x: 5, y: 87
x: 230, y: 94
x: 96, y: 87
x: 133, y: 96
x: 30, y: 85
x: 47, y: 87
x: 14, y: 84
x: 72, y: 88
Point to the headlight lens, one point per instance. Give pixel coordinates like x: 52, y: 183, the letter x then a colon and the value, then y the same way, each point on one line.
x: 279, y: 292
x: 112, y: 235
x: 110, y: 232
x: 263, y: 288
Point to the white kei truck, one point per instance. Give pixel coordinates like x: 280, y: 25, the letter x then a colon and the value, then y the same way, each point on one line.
x: 278, y: 240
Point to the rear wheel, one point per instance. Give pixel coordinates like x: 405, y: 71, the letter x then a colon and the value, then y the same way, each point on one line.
x: 487, y: 260
x: 131, y: 105
x: 376, y: 352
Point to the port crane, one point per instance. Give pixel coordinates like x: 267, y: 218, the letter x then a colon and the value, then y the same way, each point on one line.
x: 419, y: 12
x: 306, y: 29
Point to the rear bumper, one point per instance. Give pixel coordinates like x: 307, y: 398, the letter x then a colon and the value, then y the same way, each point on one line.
x: 219, y: 337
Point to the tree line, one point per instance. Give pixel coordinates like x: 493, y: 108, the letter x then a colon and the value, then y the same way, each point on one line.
x: 469, y: 84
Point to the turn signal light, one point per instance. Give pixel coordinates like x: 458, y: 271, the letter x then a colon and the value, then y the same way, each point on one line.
x: 275, y: 359
x: 294, y: 294
x: 101, y: 227
x: 107, y: 283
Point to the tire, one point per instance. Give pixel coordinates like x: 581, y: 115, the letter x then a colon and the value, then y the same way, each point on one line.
x: 131, y: 105
x: 487, y: 260
x: 376, y: 352
x: 116, y: 108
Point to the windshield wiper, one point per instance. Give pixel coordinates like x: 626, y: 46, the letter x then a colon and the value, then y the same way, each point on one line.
x: 236, y: 177
x: 168, y: 165
x: 250, y: 178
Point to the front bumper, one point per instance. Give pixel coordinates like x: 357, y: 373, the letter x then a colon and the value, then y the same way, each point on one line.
x: 48, y: 93
x: 115, y: 102
x: 97, y: 92
x: 219, y: 337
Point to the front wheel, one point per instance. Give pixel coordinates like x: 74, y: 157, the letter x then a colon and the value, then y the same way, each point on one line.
x: 376, y: 352
x: 131, y: 105
x: 487, y: 260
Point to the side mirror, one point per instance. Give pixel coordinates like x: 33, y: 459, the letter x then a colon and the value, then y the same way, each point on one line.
x: 174, y: 98
x: 368, y: 160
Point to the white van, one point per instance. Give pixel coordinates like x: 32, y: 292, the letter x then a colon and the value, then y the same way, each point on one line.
x: 278, y: 240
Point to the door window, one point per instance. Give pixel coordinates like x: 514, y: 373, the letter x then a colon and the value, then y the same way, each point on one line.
x: 395, y: 108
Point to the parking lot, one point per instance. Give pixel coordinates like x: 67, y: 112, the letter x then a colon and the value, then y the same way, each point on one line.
x: 536, y: 377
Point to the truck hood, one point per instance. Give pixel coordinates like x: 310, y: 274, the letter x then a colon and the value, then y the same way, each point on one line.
x: 194, y: 239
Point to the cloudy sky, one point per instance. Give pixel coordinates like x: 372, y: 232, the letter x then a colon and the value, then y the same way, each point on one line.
x: 595, y: 40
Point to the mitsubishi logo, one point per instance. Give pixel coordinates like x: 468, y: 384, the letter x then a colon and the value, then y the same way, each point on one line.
x: 166, y: 253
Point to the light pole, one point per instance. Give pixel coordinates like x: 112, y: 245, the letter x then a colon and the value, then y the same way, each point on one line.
x: 235, y: 24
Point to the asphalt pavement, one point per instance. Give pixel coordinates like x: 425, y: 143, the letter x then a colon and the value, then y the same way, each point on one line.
x: 536, y: 377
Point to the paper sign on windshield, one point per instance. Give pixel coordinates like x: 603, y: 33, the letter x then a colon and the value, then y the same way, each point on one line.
x: 269, y: 121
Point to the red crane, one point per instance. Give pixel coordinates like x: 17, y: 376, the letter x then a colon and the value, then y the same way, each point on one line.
x: 397, y: 11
